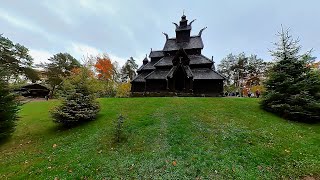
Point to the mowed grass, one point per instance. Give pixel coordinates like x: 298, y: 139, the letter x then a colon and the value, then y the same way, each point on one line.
x: 164, y: 138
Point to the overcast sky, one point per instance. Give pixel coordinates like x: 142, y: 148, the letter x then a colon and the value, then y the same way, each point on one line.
x: 130, y: 28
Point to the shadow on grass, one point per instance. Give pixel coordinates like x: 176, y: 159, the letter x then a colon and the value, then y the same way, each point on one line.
x: 286, y: 117
x: 66, y: 127
x: 4, y: 140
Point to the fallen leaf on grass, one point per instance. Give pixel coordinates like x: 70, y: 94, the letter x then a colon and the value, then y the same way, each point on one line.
x: 174, y: 163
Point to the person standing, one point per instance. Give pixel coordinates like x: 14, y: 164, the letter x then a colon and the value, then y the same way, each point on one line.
x: 257, y: 93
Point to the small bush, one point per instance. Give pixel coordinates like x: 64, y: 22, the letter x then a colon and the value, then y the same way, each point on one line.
x: 78, y: 104
x: 119, y: 128
x: 123, y: 90
x: 9, y: 108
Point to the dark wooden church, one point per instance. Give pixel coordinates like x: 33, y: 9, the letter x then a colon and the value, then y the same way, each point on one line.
x: 178, y: 69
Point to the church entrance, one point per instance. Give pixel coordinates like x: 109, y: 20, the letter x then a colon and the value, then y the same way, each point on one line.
x: 180, y: 80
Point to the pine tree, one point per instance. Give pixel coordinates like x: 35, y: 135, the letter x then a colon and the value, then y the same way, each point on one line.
x: 292, y: 88
x: 8, y: 109
x: 128, y: 70
x: 78, y: 104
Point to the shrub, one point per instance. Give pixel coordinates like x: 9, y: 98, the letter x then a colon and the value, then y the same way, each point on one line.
x: 123, y: 90
x: 292, y: 88
x: 9, y: 107
x: 78, y: 101
x: 119, y: 128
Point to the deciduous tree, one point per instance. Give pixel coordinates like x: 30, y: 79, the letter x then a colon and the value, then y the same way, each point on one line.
x: 58, y: 67
x: 225, y: 67
x: 238, y: 68
x: 104, y: 67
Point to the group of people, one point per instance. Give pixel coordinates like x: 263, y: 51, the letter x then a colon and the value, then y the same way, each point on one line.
x: 257, y: 94
x: 250, y: 94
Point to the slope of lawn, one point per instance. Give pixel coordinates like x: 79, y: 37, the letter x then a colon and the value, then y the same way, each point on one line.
x: 169, y: 138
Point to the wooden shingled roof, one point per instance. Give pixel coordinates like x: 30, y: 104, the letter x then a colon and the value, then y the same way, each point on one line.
x: 194, y: 43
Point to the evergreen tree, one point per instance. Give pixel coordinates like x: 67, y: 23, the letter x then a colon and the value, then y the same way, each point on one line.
x: 8, y: 108
x: 78, y: 103
x: 16, y: 60
x: 128, y: 70
x: 292, y: 88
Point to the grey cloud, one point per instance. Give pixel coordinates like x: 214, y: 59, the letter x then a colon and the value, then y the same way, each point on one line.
x: 131, y: 28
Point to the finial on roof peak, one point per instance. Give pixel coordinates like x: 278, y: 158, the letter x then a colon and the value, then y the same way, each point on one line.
x: 183, y: 17
x: 192, y: 22
x: 167, y: 37
x: 200, y: 33
x: 175, y: 24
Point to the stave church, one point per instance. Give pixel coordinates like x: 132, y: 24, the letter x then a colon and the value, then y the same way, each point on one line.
x: 179, y: 69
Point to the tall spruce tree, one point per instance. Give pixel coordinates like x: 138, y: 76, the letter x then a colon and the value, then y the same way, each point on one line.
x: 292, y: 88
x: 9, y: 107
x: 128, y: 70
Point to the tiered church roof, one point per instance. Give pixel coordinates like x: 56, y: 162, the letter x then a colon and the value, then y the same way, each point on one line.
x: 183, y: 46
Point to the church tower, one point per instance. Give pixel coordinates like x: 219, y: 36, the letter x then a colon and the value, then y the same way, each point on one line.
x: 183, y: 30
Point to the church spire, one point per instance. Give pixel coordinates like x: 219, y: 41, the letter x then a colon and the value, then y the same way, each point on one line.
x: 145, y: 61
x: 183, y: 21
x: 183, y: 29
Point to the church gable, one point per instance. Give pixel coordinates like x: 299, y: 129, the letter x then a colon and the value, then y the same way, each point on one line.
x: 181, y: 58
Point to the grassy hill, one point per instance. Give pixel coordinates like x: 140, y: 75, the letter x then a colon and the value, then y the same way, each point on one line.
x: 169, y: 138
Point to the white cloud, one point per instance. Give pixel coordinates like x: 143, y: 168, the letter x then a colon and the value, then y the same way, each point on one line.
x: 61, y: 9
x: 121, y: 61
x: 139, y: 58
x: 15, y: 21
x: 23, y: 23
x: 99, y: 6
x: 40, y: 55
x: 79, y: 51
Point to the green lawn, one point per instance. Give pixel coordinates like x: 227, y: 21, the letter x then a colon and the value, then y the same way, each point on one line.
x: 168, y: 138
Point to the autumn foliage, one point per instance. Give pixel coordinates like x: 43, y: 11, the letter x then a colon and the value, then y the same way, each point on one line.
x: 104, y: 68
x: 123, y: 90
